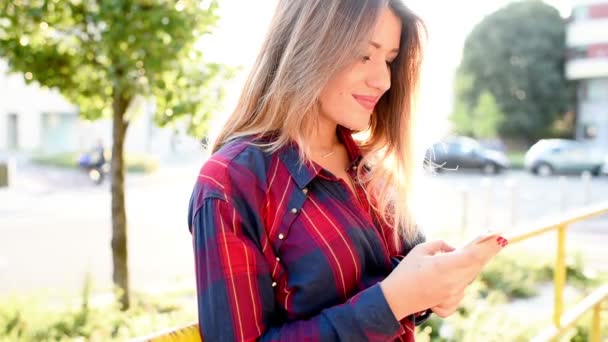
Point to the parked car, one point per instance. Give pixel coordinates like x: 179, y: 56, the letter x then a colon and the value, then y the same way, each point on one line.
x: 460, y: 152
x: 551, y: 156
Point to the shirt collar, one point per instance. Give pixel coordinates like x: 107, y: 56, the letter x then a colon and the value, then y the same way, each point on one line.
x: 304, y: 173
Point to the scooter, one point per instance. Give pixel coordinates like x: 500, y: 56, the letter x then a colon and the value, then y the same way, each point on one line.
x: 96, y: 167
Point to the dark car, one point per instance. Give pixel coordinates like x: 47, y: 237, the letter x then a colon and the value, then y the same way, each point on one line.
x: 458, y: 153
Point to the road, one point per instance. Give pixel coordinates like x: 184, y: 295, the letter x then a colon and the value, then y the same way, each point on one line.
x: 55, y: 227
x: 57, y: 231
x: 469, y: 203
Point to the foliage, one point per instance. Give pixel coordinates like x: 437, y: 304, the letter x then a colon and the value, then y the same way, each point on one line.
x: 109, y: 57
x: 28, y: 319
x: 488, y: 117
x: 517, y: 55
x: 484, y: 314
x: 516, y: 158
x: 94, y: 51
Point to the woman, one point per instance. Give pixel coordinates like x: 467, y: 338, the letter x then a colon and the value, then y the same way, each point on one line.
x: 296, y: 228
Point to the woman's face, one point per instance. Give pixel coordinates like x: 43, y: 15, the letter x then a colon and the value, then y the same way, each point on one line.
x: 349, y: 98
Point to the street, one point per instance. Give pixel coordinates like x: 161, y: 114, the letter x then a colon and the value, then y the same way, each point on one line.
x: 56, y: 227
x: 52, y: 238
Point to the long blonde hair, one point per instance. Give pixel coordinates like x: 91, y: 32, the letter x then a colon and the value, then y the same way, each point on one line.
x: 308, y: 42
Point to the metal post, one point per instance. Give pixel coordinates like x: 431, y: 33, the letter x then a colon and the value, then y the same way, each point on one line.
x: 559, y: 276
x: 586, y: 176
x: 487, y: 185
x: 595, y: 323
x: 562, y: 193
x: 513, y: 201
x: 464, y: 211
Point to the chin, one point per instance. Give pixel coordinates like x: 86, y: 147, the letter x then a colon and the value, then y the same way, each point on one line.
x: 358, y: 125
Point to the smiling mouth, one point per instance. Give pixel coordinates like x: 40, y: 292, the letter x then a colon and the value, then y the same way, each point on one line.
x: 367, y: 102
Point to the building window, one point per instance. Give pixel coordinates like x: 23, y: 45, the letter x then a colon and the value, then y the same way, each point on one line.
x: 597, y: 89
x: 580, y: 13
x: 588, y: 51
x: 579, y: 52
x: 12, y: 136
x: 58, y: 132
x: 581, y: 88
x: 589, y: 131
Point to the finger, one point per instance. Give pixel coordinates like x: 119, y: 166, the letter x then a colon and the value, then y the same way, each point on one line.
x: 448, y: 308
x: 451, y: 301
x: 437, y: 246
x: 441, y: 312
x: 456, y: 260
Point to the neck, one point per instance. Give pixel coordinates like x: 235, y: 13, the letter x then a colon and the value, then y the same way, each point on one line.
x: 324, y: 136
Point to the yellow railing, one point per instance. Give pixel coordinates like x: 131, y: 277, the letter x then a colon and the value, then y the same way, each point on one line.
x: 561, y: 322
x: 188, y: 333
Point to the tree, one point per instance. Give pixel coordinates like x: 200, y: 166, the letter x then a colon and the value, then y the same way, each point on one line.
x: 487, y: 117
x: 517, y: 54
x: 462, y: 115
x: 107, y: 55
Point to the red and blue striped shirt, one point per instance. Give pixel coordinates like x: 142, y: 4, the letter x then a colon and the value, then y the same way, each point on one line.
x: 284, y: 251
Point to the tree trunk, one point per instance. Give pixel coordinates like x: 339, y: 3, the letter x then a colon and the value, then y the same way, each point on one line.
x: 120, y: 273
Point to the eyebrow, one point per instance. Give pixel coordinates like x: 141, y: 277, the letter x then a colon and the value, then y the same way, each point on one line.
x: 378, y: 46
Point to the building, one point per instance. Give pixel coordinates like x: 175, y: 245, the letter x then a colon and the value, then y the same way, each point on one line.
x: 40, y: 121
x: 587, y: 64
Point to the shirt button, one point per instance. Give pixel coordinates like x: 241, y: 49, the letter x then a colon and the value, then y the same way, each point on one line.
x: 274, y: 284
x: 281, y: 236
x: 305, y: 191
x: 294, y: 210
x: 278, y: 259
x: 355, y: 167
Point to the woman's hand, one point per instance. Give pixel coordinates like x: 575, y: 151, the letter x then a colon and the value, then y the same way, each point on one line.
x: 450, y: 306
x: 435, y: 275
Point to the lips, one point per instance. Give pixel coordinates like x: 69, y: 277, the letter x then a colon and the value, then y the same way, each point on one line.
x: 367, y: 102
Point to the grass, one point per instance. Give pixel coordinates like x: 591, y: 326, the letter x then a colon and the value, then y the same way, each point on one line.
x: 135, y: 163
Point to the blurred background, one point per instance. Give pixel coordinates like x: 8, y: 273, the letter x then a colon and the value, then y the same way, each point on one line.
x: 514, y: 128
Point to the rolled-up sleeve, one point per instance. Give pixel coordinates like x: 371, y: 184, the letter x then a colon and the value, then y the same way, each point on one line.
x: 236, y: 298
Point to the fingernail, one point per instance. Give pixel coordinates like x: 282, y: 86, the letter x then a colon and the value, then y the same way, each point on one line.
x: 504, y: 241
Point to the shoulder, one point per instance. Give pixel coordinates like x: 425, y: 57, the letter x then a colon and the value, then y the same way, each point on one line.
x: 239, y: 167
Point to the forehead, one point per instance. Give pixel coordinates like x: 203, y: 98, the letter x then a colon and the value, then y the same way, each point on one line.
x: 387, y: 31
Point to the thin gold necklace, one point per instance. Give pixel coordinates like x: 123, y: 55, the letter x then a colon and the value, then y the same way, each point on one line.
x: 328, y: 154
x: 324, y: 155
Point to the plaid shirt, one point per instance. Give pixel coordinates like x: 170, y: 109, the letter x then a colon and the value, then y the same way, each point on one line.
x: 286, y: 252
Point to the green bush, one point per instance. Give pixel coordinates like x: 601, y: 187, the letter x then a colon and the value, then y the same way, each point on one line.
x: 29, y: 320
x: 135, y: 163
x: 481, y: 316
x: 516, y: 158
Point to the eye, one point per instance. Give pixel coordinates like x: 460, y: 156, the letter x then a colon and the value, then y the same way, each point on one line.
x: 365, y: 58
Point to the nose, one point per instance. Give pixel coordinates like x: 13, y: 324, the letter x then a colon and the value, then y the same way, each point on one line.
x: 379, y: 76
